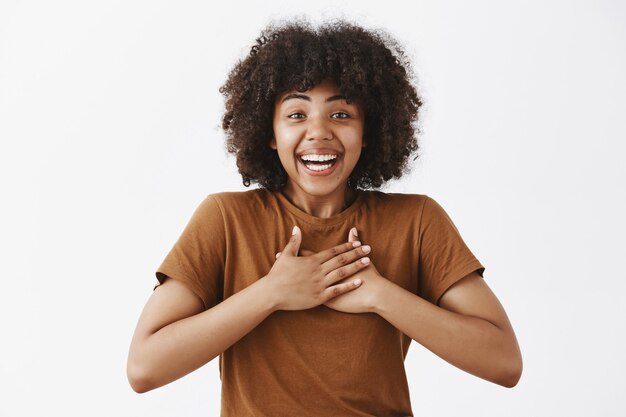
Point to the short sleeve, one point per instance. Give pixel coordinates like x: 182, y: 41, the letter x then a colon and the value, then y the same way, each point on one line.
x: 444, y: 258
x: 197, y: 257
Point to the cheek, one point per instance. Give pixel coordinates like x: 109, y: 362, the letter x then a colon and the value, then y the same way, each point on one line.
x: 357, y: 156
x: 286, y: 150
x: 356, y: 144
x: 286, y: 142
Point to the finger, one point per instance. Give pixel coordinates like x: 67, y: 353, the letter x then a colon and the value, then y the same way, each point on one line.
x: 347, y: 270
x: 353, y: 235
x: 293, y: 245
x: 338, y: 289
x: 346, y: 258
x: 327, y: 254
x: 303, y: 252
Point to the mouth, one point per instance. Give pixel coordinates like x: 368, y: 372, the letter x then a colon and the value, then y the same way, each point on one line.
x: 319, y: 163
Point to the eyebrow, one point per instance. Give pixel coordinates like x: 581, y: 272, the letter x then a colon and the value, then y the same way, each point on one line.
x: 307, y: 98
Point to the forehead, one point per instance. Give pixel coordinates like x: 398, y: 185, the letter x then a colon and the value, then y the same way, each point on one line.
x: 326, y: 90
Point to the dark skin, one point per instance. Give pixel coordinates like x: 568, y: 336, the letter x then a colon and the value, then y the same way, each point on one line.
x: 175, y: 335
x: 468, y: 328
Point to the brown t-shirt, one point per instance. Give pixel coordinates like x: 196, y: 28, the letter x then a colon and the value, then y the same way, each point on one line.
x: 316, y: 362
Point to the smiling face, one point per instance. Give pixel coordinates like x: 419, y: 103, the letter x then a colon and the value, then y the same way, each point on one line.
x: 318, y: 136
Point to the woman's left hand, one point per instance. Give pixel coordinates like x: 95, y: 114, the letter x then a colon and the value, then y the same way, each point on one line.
x: 362, y: 299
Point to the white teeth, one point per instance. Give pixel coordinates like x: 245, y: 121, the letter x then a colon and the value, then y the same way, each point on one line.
x: 319, y: 167
x: 318, y: 158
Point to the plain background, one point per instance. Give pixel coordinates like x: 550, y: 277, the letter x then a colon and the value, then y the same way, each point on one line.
x: 109, y: 126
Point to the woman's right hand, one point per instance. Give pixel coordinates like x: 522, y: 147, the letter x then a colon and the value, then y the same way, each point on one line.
x: 302, y: 282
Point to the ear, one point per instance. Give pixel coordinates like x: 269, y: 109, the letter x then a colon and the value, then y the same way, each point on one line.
x: 273, y: 142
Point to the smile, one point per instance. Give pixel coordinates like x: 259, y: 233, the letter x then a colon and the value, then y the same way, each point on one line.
x: 319, y: 164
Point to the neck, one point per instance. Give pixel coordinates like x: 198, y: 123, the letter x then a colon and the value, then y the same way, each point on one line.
x: 323, y: 206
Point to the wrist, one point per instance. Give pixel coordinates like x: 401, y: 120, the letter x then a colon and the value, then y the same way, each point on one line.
x: 383, y: 295
x: 267, y: 295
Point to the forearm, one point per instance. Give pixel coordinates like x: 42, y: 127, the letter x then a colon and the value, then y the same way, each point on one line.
x: 185, y: 345
x: 472, y: 344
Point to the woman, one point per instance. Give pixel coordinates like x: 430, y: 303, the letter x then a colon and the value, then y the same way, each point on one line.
x: 310, y: 288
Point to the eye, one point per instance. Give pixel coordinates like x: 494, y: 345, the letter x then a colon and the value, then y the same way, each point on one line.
x: 296, y: 115
x: 340, y: 115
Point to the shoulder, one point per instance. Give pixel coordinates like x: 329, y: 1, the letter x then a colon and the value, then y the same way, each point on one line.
x: 415, y: 210
x: 238, y: 197
x: 424, y: 203
x: 396, y: 201
x: 218, y: 210
x: 241, y: 202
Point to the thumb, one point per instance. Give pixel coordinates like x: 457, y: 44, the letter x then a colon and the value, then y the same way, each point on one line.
x: 293, y: 245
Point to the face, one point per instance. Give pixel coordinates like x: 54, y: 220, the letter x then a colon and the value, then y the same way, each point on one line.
x: 318, y: 136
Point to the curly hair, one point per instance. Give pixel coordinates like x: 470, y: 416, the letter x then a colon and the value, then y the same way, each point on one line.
x: 369, y: 67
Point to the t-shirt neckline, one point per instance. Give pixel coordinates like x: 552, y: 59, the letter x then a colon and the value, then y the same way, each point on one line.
x: 318, y: 221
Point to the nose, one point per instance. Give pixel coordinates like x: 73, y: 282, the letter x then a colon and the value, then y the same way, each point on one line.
x: 319, y: 129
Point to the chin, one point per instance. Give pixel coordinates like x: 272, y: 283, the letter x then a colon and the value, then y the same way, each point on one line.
x: 319, y: 190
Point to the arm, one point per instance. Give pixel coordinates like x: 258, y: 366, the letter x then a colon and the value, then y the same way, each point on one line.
x: 174, y: 336
x: 469, y: 328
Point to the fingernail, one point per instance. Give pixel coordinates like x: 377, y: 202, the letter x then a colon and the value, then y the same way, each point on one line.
x: 356, y: 244
x: 354, y: 232
x: 365, y: 260
x: 366, y: 249
x: 357, y: 282
x: 295, y: 229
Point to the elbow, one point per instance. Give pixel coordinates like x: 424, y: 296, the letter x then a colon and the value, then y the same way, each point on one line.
x: 139, y: 386
x: 511, y: 374
x: 138, y: 378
